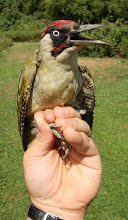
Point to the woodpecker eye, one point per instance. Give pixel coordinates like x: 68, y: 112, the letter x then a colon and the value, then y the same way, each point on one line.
x: 56, y: 33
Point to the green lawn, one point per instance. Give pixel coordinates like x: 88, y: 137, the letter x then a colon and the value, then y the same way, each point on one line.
x: 110, y: 132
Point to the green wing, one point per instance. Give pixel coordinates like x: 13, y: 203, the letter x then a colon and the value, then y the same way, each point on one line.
x: 25, y: 85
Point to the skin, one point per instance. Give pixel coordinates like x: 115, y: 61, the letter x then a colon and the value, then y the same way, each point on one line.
x: 64, y: 188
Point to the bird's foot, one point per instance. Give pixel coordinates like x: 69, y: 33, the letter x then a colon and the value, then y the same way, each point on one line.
x: 67, y: 150
x: 65, y: 146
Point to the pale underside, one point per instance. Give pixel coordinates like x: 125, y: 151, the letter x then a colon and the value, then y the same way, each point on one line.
x: 55, y: 84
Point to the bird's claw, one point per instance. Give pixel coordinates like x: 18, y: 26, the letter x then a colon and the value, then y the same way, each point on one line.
x: 66, y: 147
x: 53, y: 126
x: 67, y: 150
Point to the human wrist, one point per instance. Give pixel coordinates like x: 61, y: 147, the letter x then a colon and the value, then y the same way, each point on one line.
x: 61, y: 213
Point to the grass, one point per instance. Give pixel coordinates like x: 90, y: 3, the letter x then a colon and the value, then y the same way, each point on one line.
x: 109, y: 133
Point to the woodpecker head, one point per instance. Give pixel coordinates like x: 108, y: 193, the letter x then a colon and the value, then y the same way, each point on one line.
x: 64, y: 35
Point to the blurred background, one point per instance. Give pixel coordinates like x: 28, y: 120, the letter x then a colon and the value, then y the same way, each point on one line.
x: 24, y: 20
x: 21, y: 25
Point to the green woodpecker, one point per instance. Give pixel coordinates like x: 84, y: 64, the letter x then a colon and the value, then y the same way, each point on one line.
x: 52, y: 77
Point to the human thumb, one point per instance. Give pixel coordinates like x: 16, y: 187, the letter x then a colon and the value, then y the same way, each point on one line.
x: 44, y: 140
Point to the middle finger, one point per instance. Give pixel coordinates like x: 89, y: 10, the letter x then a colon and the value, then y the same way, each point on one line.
x: 78, y: 124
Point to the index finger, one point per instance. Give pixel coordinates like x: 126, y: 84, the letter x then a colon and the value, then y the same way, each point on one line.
x: 65, y: 112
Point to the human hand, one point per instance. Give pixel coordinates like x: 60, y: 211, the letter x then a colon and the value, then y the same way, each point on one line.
x: 64, y: 188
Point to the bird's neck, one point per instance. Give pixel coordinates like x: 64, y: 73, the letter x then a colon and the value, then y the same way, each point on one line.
x: 67, y: 57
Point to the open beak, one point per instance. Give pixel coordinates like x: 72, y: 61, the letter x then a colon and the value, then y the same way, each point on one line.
x: 78, y: 40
